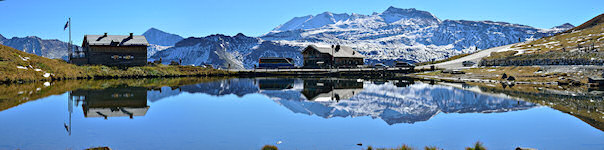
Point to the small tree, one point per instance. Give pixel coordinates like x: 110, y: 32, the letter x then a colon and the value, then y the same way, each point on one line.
x: 477, y: 146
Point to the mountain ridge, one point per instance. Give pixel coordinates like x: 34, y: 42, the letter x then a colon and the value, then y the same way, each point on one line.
x: 49, y: 48
x: 405, y: 34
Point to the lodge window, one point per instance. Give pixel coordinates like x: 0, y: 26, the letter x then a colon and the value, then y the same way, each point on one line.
x: 122, y: 57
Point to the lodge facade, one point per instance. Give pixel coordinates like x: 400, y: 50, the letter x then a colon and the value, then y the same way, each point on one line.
x: 336, y: 56
x: 112, y: 50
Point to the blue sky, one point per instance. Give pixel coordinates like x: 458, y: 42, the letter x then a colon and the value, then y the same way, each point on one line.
x: 45, y: 18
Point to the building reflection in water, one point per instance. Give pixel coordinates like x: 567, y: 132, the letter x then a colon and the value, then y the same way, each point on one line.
x: 112, y: 102
x: 275, y: 83
x: 329, y: 90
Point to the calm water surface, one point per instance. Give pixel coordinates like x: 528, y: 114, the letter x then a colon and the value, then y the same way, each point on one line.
x: 297, y: 113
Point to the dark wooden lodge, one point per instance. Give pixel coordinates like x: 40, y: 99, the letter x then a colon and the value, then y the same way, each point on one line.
x: 336, y: 56
x: 112, y: 50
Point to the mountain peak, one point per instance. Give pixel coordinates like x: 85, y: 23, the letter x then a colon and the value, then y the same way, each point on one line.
x: 240, y: 35
x: 393, y: 14
x: 326, y: 13
x: 159, y: 37
x: 564, y: 26
x: 154, y: 30
x: 2, y: 37
x: 311, y: 22
x: 395, y: 9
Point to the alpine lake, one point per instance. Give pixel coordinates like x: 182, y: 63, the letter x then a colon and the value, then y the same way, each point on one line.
x: 294, y: 113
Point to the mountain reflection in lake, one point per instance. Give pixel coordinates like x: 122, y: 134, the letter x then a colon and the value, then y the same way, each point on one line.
x: 394, y: 104
x: 247, y: 113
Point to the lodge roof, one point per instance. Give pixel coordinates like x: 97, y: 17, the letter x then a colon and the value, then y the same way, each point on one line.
x: 116, y: 40
x: 342, y: 51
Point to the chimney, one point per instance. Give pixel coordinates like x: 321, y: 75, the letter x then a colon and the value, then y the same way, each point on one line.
x: 130, y: 35
x: 337, y: 48
x: 105, y: 35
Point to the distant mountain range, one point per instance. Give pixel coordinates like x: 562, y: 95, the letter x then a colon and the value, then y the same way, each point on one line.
x: 35, y: 45
x: 395, y: 34
x: 239, y: 51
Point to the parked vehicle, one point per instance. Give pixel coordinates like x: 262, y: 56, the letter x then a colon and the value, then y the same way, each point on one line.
x: 379, y: 65
x: 400, y: 64
x: 454, y: 71
x: 275, y: 62
x: 468, y: 63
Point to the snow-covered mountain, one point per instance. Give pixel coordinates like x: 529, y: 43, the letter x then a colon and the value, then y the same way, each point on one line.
x: 32, y: 44
x: 239, y: 51
x: 395, y: 34
x: 403, y: 34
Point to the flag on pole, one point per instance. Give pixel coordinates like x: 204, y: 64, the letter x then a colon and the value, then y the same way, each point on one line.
x: 66, y: 25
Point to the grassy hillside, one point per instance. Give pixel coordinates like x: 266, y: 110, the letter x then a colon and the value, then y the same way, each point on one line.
x: 580, y: 45
x: 17, y: 66
x: 590, y: 23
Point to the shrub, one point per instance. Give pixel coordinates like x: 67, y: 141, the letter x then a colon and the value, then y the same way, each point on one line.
x: 477, y: 146
x: 270, y: 147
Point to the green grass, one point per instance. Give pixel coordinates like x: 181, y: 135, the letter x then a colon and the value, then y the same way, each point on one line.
x: 36, y: 66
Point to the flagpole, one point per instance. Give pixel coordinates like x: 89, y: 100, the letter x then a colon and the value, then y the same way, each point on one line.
x: 69, y: 49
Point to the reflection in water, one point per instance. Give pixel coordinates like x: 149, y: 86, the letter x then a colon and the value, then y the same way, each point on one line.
x: 329, y: 90
x: 392, y: 101
x: 396, y: 101
x: 210, y: 118
x: 112, y: 102
x: 275, y: 84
